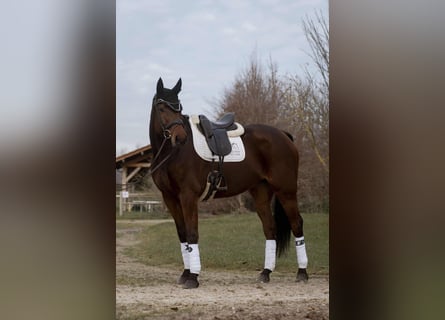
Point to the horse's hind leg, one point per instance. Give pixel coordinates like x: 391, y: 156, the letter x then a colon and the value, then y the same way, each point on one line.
x: 262, y: 195
x: 290, y: 206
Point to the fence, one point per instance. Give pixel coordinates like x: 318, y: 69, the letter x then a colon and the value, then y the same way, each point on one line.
x: 137, y: 202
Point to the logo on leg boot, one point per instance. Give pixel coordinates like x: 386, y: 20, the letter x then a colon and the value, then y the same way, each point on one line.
x: 188, y: 248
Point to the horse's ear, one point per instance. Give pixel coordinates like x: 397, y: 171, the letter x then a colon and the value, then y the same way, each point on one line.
x: 177, y: 87
x: 160, y: 87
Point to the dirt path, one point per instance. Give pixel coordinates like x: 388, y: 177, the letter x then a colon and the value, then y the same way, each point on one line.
x: 144, y: 292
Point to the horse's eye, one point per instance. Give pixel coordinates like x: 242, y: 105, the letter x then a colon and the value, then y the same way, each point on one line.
x: 161, y: 109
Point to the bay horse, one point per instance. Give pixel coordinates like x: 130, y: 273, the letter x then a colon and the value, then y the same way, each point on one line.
x: 268, y: 172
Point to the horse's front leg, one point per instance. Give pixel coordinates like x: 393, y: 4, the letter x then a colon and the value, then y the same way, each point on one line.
x: 174, y: 206
x: 189, y: 205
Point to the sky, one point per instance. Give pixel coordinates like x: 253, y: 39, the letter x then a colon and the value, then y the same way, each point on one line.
x: 206, y: 43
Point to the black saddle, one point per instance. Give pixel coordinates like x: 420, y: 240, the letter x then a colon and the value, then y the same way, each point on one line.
x: 227, y: 121
x: 216, y: 133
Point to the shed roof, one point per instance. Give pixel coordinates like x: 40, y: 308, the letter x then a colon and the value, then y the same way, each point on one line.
x: 137, y: 158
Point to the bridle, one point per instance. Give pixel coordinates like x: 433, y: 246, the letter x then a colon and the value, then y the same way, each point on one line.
x: 166, y: 129
x: 176, y: 107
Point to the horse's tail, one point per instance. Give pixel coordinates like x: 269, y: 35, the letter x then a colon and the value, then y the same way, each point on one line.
x: 283, y: 228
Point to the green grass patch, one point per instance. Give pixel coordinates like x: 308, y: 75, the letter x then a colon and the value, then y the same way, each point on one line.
x: 233, y: 242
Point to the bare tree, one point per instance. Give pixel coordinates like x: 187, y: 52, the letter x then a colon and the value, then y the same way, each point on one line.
x: 308, y: 96
x: 255, y: 96
x: 316, y: 31
x: 310, y: 109
x: 307, y: 110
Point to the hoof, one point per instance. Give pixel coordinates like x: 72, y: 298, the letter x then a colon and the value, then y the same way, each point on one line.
x: 263, y: 277
x: 302, y: 275
x: 191, y: 282
x: 184, y: 276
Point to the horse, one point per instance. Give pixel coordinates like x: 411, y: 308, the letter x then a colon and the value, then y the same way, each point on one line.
x: 269, y: 173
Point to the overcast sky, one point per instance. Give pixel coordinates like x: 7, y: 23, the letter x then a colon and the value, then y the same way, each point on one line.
x: 206, y: 43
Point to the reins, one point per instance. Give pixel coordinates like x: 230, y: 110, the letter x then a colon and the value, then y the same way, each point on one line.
x: 151, y: 171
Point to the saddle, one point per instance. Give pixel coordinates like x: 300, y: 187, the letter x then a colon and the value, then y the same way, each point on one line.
x: 216, y: 133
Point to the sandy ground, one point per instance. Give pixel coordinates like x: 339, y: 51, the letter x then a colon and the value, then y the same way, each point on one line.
x: 144, y: 292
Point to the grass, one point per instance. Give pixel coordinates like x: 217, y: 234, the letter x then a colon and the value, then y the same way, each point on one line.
x: 144, y: 215
x: 233, y: 242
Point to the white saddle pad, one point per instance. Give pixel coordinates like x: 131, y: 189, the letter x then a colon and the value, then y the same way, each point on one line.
x: 202, y: 149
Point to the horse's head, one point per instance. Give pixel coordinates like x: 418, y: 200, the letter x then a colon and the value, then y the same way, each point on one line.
x: 168, y: 109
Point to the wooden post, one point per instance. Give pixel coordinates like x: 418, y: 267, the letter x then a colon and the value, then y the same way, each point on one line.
x: 123, y: 200
x: 120, y: 203
x: 133, y: 173
x: 241, y: 209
